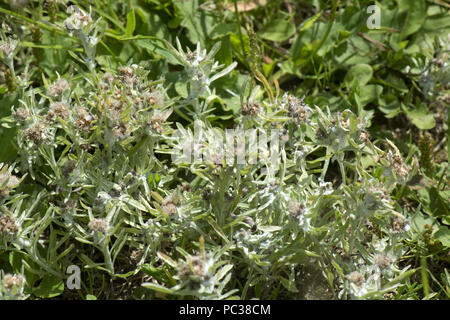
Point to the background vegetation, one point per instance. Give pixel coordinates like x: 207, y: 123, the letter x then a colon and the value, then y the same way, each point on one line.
x: 89, y: 99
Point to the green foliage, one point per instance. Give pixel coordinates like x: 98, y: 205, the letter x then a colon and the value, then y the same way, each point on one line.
x: 98, y: 100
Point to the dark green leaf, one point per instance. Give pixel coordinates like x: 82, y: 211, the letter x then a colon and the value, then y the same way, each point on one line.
x: 50, y: 287
x: 277, y: 30
x: 131, y: 23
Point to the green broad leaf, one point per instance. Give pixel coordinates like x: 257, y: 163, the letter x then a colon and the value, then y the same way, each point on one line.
x: 175, y: 22
x: 181, y: 88
x: 443, y: 236
x: 50, y: 287
x: 446, y: 220
x: 289, y: 285
x: 195, y: 20
x: 396, y: 83
x: 224, y: 55
x: 268, y: 68
x: 278, y: 30
x: 436, y: 23
x: 91, y: 297
x: 157, y: 287
x: 224, y: 29
x: 131, y: 23
x: 237, y: 44
x: 390, y: 111
x: 438, y: 206
x: 421, y: 118
x: 305, y: 25
x: 151, y: 24
x: 416, y: 14
x: 419, y: 221
x: 155, y: 47
x: 370, y: 93
x: 361, y: 73
x: 19, y: 260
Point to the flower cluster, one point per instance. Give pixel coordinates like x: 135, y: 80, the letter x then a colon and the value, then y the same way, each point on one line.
x: 12, y: 287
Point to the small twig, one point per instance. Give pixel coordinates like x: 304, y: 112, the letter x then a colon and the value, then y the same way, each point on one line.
x: 438, y: 146
x: 373, y: 41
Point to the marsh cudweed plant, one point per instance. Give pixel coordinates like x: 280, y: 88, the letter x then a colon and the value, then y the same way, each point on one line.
x: 205, y: 211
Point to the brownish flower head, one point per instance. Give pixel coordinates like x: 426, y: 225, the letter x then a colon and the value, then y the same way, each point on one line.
x: 136, y: 255
x: 169, y: 205
x: 364, y: 136
x: 191, y: 56
x: 21, y: 114
x: 249, y: 221
x: 58, y: 110
x: 127, y: 75
x: 116, y: 104
x: 155, y: 123
x: 297, y: 109
x: 383, y: 260
x: 10, y: 180
x: 401, y: 170
x: 155, y: 97
x: 84, y: 119
x: 121, y: 130
x: 58, y: 88
x: 296, y: 209
x: 126, y: 71
x: 78, y: 20
x: 108, y: 78
x: 99, y: 225
x: 344, y: 123
x: 6, y: 48
x: 36, y: 133
x: 251, y: 109
x: 399, y: 225
x: 185, y: 187
x: 8, y: 225
x: 199, y: 268
x: 10, y: 281
x: 356, y: 278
